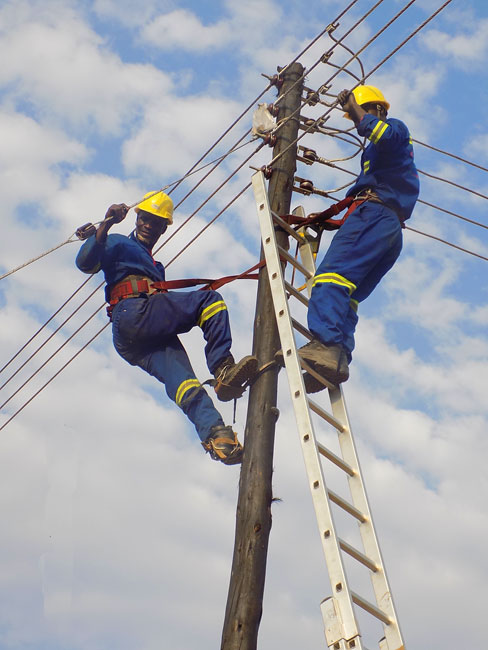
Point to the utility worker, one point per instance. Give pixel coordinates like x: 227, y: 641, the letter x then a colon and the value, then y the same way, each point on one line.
x: 146, y: 321
x: 368, y: 242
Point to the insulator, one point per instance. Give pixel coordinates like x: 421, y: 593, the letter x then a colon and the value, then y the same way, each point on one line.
x: 310, y: 154
x: 276, y: 80
x: 325, y: 57
x: 267, y: 171
x: 85, y: 231
x: 324, y: 89
x: 270, y: 139
x: 312, y: 98
x: 273, y: 109
x: 307, y: 186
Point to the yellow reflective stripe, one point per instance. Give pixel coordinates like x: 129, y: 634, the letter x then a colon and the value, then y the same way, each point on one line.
x: 184, y: 387
x: 366, y: 166
x: 378, y: 131
x: 410, y: 140
x: 354, y: 304
x: 334, y: 278
x: 210, y: 311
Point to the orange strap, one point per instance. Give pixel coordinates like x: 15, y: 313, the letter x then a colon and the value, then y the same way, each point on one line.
x: 135, y: 287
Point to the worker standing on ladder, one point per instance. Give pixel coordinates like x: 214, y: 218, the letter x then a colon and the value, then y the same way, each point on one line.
x: 368, y: 242
x: 147, y: 319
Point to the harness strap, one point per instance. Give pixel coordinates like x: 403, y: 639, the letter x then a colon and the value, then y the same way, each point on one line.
x: 324, y: 219
x: 134, y: 285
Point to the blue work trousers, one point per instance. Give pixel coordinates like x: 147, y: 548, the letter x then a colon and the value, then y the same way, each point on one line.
x: 362, y: 251
x: 145, y: 333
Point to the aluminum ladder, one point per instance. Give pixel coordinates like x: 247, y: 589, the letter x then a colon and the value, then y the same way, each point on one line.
x: 340, y: 610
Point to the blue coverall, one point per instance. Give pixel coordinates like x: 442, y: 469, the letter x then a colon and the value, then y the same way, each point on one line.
x: 145, y: 328
x: 369, y: 242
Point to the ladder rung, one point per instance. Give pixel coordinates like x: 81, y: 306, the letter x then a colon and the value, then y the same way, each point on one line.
x: 320, y: 378
x: 284, y: 254
x: 370, y: 608
x: 301, y: 328
x: 345, y: 505
x: 326, y: 416
x: 294, y: 292
x: 357, y: 555
x: 286, y: 226
x: 337, y: 460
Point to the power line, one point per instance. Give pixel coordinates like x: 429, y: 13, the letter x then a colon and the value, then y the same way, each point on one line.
x: 459, y: 248
x: 53, y: 377
x: 245, y: 188
x: 461, y: 187
x: 451, y: 155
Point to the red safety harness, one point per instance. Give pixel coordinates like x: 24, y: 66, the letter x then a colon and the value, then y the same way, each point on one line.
x: 135, y: 285
x: 325, y: 219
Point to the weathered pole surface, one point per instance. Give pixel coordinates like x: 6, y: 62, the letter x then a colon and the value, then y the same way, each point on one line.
x: 245, y: 598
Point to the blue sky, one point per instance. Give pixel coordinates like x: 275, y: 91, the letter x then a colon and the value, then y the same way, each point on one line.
x: 118, y: 530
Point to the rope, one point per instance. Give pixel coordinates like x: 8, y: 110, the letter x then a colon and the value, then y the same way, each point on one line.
x: 34, y: 259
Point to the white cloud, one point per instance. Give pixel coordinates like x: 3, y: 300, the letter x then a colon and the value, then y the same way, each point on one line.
x: 118, y: 524
x: 174, y: 134
x: 181, y: 29
x: 91, y: 88
x: 466, y: 48
x: 29, y: 157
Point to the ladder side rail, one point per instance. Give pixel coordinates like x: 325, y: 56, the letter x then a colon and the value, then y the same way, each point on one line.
x: 348, y: 628
x: 379, y: 579
x: 367, y: 530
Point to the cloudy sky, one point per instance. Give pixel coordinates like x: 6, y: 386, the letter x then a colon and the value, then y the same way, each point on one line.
x: 117, y: 529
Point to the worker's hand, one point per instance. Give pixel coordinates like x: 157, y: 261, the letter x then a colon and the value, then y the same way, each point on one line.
x: 347, y: 100
x: 117, y: 212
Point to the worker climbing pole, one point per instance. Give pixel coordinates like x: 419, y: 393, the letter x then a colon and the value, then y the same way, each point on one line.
x: 147, y: 319
x: 244, y: 604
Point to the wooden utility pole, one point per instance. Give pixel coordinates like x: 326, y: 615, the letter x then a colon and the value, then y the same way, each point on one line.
x: 245, y: 598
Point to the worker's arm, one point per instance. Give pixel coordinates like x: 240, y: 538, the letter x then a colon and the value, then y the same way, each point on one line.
x: 351, y: 107
x: 115, y: 214
x: 89, y: 257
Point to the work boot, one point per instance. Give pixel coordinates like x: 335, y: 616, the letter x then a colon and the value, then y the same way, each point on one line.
x: 314, y: 385
x: 329, y: 361
x: 231, y: 377
x: 222, y: 444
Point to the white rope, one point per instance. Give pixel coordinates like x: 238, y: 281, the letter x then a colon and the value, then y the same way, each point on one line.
x: 34, y: 259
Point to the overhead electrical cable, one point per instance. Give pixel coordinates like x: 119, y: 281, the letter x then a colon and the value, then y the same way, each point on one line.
x: 45, y: 324
x: 239, y: 194
x: 451, y: 155
x: 53, y: 377
x: 461, y: 187
x: 439, y: 239
x: 382, y: 62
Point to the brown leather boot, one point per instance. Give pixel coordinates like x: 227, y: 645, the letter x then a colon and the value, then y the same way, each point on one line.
x: 231, y: 377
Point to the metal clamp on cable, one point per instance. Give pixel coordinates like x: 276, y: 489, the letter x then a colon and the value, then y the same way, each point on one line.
x: 85, y: 231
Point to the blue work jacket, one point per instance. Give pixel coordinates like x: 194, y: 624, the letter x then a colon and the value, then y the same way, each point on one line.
x: 387, y: 164
x: 118, y: 257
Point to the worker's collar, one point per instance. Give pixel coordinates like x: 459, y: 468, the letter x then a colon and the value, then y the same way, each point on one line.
x: 134, y: 237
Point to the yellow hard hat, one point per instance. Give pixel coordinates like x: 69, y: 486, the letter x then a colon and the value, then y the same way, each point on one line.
x: 157, y: 203
x: 369, y: 95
